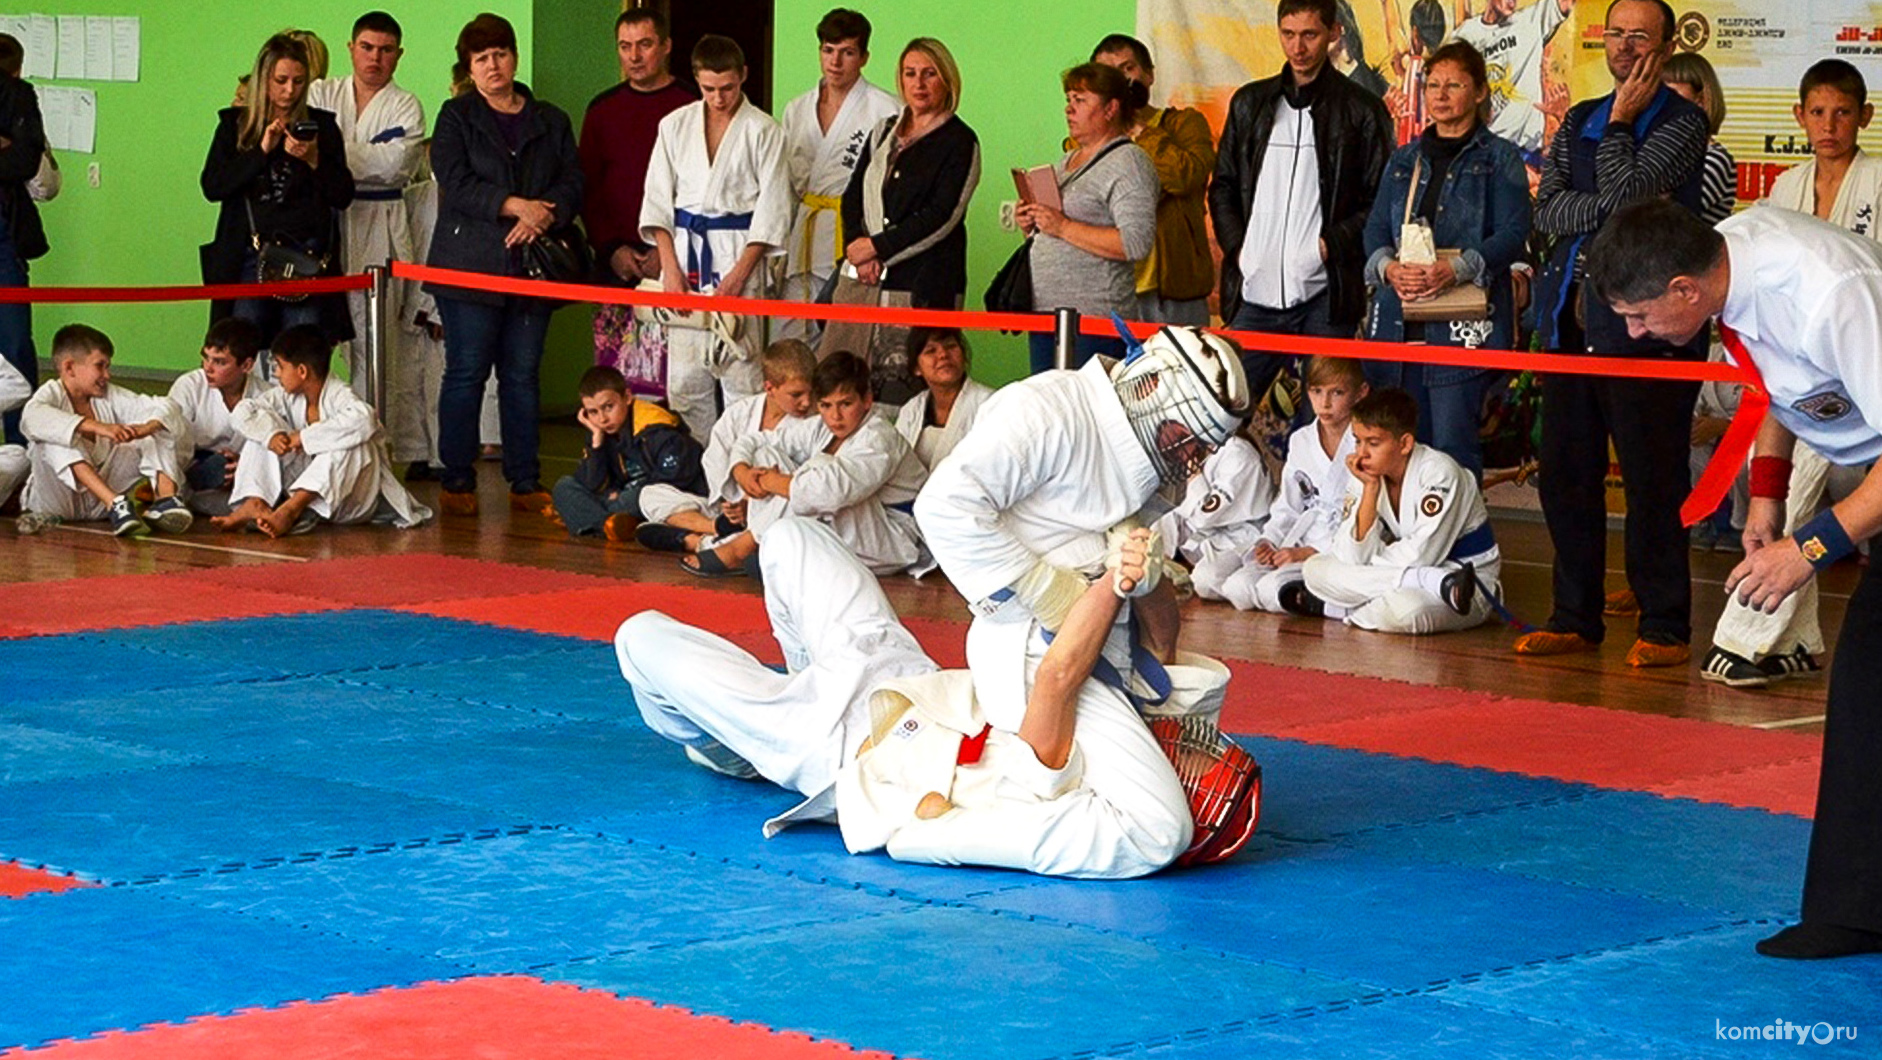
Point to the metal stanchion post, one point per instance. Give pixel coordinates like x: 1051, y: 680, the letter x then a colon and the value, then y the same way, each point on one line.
x: 377, y: 335
x: 1064, y: 336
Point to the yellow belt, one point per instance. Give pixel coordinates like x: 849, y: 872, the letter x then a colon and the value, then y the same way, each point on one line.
x: 818, y: 204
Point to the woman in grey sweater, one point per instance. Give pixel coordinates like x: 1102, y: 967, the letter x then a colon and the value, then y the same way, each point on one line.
x: 1084, y: 256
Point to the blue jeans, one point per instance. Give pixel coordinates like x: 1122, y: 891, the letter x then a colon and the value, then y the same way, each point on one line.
x: 1449, y: 412
x: 1041, y: 347
x: 584, y: 511
x: 477, y: 338
x: 1308, y: 318
x: 272, y: 315
x: 16, y: 331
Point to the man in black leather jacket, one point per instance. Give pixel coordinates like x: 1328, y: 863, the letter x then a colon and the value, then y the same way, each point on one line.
x: 1295, y: 175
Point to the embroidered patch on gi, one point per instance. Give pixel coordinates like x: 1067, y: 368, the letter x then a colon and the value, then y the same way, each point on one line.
x: 1212, y: 502
x: 1431, y: 505
x: 906, y: 728
x: 1813, y: 549
x: 1829, y: 405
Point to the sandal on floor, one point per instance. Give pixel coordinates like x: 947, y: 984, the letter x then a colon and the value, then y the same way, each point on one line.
x: 659, y: 537
x: 707, y: 564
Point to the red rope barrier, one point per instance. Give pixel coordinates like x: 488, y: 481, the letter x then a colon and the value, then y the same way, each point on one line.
x: 205, y: 292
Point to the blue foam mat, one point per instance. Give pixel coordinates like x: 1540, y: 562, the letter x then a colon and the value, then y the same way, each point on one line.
x: 1389, y: 923
x: 28, y: 753
x: 1683, y: 991
x: 54, y: 669
x: 106, y: 958
x: 581, y: 682
x: 945, y: 983
x: 1736, y: 862
x: 1315, y: 792
x: 158, y: 821
x: 321, y: 642
x: 518, y: 903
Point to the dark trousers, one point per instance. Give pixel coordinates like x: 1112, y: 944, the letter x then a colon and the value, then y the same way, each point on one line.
x: 1041, y: 348
x: 584, y: 511
x: 1450, y: 413
x: 1651, y: 424
x: 479, y: 337
x: 1843, y: 881
x: 1308, y: 318
x: 16, y: 332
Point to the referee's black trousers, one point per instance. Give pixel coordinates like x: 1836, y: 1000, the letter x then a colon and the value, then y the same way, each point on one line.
x: 1843, y: 881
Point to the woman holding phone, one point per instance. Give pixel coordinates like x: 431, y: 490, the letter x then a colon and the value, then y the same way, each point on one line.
x: 278, y: 169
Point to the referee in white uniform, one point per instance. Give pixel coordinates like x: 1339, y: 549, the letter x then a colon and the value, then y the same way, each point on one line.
x: 1804, y: 299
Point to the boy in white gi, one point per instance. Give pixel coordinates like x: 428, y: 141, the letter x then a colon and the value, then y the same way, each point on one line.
x: 14, y: 392
x: 1415, y: 543
x: 384, y: 127
x: 718, y: 201
x: 97, y: 448
x: 1219, y: 522
x: 824, y: 132
x: 682, y: 522
x: 312, y: 450
x: 848, y: 468
x: 1075, y: 786
x: 1306, y: 512
x: 210, y: 449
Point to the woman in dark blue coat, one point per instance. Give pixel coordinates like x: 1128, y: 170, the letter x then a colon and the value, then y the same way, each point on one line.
x: 1473, y: 191
x: 508, y: 174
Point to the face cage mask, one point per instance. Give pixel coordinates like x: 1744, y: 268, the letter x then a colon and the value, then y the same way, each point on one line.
x: 1181, y: 425
x: 1222, y: 781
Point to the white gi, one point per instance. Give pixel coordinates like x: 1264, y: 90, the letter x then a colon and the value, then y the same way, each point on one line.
x: 385, y: 143
x: 746, y: 416
x: 14, y: 392
x: 933, y: 444
x: 863, y: 491
x: 415, y: 368
x: 1743, y: 630
x: 1225, y: 507
x: 1115, y: 810
x: 820, y: 164
x: 1306, y: 512
x: 51, y: 424
x: 1051, y: 465
x: 208, y: 424
x: 713, y: 207
x: 342, y: 460
x: 1389, y: 582
x: 1513, y: 52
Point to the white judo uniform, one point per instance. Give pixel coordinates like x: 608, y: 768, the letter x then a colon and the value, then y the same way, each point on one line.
x: 50, y: 423
x: 1114, y: 810
x: 933, y: 444
x: 208, y: 424
x: 821, y: 162
x: 713, y: 207
x: 1225, y: 506
x: 415, y: 372
x: 863, y: 491
x: 342, y: 459
x: 385, y: 144
x: 14, y: 466
x: 1389, y: 581
x: 1305, y: 512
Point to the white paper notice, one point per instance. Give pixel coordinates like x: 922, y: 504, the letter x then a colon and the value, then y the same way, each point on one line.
x: 72, y: 48
x: 42, y: 48
x: 71, y: 118
x: 15, y: 26
x: 126, y: 47
x: 84, y: 120
x: 98, y: 48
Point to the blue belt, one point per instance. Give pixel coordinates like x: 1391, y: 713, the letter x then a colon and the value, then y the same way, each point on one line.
x: 699, y: 251
x: 1475, y: 543
x: 908, y: 508
x: 1148, y: 666
x: 377, y: 194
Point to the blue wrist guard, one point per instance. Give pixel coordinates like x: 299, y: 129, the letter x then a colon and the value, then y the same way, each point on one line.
x: 1823, y: 540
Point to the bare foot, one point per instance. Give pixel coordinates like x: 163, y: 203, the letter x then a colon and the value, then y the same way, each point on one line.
x: 241, y: 517
x: 932, y: 805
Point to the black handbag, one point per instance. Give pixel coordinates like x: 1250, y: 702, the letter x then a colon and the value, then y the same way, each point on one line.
x: 1011, y: 289
x: 276, y: 261
x: 558, y: 257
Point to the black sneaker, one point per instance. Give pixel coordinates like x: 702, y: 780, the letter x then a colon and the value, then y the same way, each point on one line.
x: 1796, y: 663
x: 1296, y: 600
x: 1733, y: 670
x: 1459, y: 588
x: 169, y: 516
x: 124, y: 518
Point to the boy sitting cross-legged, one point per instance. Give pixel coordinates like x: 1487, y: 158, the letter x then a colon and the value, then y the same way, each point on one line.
x: 631, y: 445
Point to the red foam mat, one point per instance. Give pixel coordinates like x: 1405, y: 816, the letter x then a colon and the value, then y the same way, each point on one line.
x: 597, y: 612
x: 391, y: 579
x: 491, y: 1018
x: 1787, y: 787
x: 18, y: 881
x: 1274, y: 700
x: 125, y: 601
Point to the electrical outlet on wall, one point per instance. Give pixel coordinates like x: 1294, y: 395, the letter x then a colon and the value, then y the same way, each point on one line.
x: 91, y: 174
x: 1009, y: 220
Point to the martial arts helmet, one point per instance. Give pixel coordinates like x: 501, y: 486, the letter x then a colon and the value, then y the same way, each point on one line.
x: 1223, y: 783
x: 1180, y: 387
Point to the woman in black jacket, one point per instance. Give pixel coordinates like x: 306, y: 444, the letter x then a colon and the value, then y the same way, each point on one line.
x: 22, y: 237
x: 278, y: 167
x: 507, y: 174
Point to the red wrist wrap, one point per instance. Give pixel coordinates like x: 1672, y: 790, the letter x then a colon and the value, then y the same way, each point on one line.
x: 1770, y: 477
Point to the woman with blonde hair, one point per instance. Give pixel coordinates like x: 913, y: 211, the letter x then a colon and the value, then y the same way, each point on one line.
x: 1690, y: 75
x: 278, y: 169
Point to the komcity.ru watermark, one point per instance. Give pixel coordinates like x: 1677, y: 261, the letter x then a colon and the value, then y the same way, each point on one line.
x: 1783, y: 1031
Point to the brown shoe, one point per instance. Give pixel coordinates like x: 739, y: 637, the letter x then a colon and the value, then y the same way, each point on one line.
x: 1621, y: 602
x: 620, y: 527
x: 531, y: 502
x: 1647, y: 653
x: 455, y: 503
x: 1549, y: 642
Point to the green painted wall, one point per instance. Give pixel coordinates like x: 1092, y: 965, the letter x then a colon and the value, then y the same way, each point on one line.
x: 145, y: 220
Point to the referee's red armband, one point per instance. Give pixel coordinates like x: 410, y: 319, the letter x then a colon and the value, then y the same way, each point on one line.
x: 1770, y: 478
